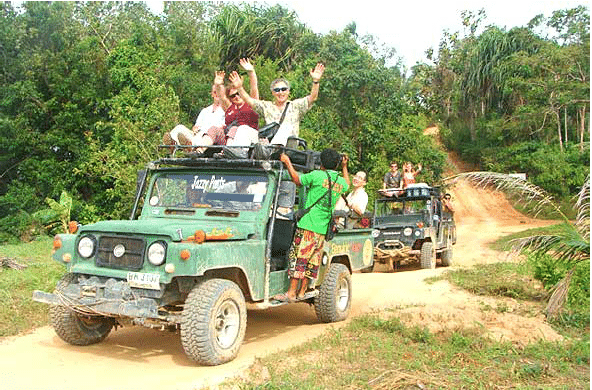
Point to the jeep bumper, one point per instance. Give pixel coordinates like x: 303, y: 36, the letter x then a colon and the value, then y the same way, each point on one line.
x: 116, y: 299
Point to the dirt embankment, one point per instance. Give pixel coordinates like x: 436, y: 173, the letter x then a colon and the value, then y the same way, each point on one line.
x: 133, y: 358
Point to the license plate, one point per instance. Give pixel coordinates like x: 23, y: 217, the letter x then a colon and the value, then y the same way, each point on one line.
x: 142, y: 280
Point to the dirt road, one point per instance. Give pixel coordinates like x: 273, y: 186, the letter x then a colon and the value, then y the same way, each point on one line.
x: 138, y: 358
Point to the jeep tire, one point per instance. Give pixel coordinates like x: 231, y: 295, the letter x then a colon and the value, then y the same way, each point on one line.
x: 213, y: 322
x: 334, y: 300
x: 427, y: 257
x: 74, y: 328
x: 446, y: 257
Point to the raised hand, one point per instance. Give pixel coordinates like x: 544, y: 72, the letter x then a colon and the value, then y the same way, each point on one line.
x: 235, y: 80
x: 219, y: 77
x: 344, y: 160
x: 246, y: 65
x: 317, y: 72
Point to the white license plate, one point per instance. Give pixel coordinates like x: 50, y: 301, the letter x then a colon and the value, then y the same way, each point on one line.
x: 142, y: 280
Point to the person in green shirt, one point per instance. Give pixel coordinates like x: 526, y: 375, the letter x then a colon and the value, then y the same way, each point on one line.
x: 306, y: 250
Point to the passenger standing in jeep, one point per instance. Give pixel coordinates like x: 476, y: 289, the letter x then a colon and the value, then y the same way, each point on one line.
x: 273, y: 111
x: 305, y: 252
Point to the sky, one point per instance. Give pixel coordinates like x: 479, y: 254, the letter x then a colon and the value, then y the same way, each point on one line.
x: 411, y: 26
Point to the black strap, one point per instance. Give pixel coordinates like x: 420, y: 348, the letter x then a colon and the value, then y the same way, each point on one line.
x: 284, y: 113
x: 306, y: 210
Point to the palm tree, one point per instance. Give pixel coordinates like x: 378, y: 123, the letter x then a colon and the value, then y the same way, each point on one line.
x: 569, y: 245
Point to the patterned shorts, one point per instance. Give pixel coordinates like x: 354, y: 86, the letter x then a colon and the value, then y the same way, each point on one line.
x: 305, y: 254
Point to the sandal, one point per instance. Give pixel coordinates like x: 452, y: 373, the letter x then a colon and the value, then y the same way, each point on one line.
x: 283, y: 298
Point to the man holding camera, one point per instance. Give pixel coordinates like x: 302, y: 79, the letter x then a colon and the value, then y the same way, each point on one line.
x: 306, y: 250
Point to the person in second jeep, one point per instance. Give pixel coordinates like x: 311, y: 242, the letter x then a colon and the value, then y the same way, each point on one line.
x: 307, y: 246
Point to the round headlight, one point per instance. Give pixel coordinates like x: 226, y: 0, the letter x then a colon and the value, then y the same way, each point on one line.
x: 86, y: 246
x: 157, y: 253
x: 375, y: 233
x: 407, y: 231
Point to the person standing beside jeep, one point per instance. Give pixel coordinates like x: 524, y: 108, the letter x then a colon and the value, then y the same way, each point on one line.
x: 306, y: 249
x: 272, y: 111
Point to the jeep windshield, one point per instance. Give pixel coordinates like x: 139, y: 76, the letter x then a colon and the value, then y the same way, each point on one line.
x: 385, y: 208
x: 209, y: 191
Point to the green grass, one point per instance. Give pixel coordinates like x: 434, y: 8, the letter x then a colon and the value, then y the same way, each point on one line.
x: 373, y: 352
x: 377, y: 351
x: 18, y: 312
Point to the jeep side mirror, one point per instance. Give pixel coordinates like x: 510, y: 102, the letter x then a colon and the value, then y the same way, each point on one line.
x: 287, y: 195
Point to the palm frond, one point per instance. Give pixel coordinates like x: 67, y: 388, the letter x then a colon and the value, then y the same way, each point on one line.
x: 559, y: 295
x: 527, y: 193
x: 583, y: 210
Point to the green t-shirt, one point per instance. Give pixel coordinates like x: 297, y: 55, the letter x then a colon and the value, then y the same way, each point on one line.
x: 317, y: 183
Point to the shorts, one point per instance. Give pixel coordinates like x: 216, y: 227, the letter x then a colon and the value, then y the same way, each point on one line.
x: 305, y: 254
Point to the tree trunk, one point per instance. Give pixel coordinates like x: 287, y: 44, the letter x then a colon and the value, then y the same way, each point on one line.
x: 558, y: 117
x: 472, y: 129
x: 565, y: 125
x: 582, y: 127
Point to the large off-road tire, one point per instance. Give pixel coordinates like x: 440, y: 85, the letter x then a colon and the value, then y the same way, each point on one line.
x: 334, y: 300
x: 446, y: 257
x: 427, y: 257
x: 213, y: 322
x: 74, y: 328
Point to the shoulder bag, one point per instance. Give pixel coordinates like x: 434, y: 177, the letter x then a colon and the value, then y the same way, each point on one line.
x: 270, y: 130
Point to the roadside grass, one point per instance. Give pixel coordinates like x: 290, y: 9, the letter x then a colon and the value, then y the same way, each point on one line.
x: 18, y: 312
x: 374, y: 352
x: 378, y: 351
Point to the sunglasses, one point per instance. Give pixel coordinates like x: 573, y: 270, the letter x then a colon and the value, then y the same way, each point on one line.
x: 233, y: 95
x: 280, y: 89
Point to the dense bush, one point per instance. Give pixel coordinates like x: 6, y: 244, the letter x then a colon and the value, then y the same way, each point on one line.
x: 550, y: 271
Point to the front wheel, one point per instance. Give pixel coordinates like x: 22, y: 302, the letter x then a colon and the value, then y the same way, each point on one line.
x: 214, y: 322
x: 427, y: 257
x: 74, y: 328
x: 334, y: 300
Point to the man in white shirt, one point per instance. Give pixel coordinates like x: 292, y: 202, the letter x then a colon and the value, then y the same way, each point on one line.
x: 212, y: 115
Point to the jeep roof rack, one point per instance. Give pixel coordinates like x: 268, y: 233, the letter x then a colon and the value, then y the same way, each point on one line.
x: 416, y: 191
x: 240, y: 156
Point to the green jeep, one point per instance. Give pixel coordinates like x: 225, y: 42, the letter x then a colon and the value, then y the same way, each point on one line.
x: 410, y: 224
x: 208, y: 239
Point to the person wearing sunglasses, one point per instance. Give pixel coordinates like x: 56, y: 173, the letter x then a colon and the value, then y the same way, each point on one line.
x: 229, y: 108
x: 241, y: 122
x: 447, y: 206
x: 273, y: 111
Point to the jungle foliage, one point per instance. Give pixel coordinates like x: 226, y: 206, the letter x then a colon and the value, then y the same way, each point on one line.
x: 88, y: 88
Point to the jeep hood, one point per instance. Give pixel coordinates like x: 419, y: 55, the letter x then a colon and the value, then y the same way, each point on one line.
x: 176, y: 230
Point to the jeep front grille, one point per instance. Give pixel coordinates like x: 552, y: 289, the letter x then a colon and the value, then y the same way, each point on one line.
x: 132, y: 257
